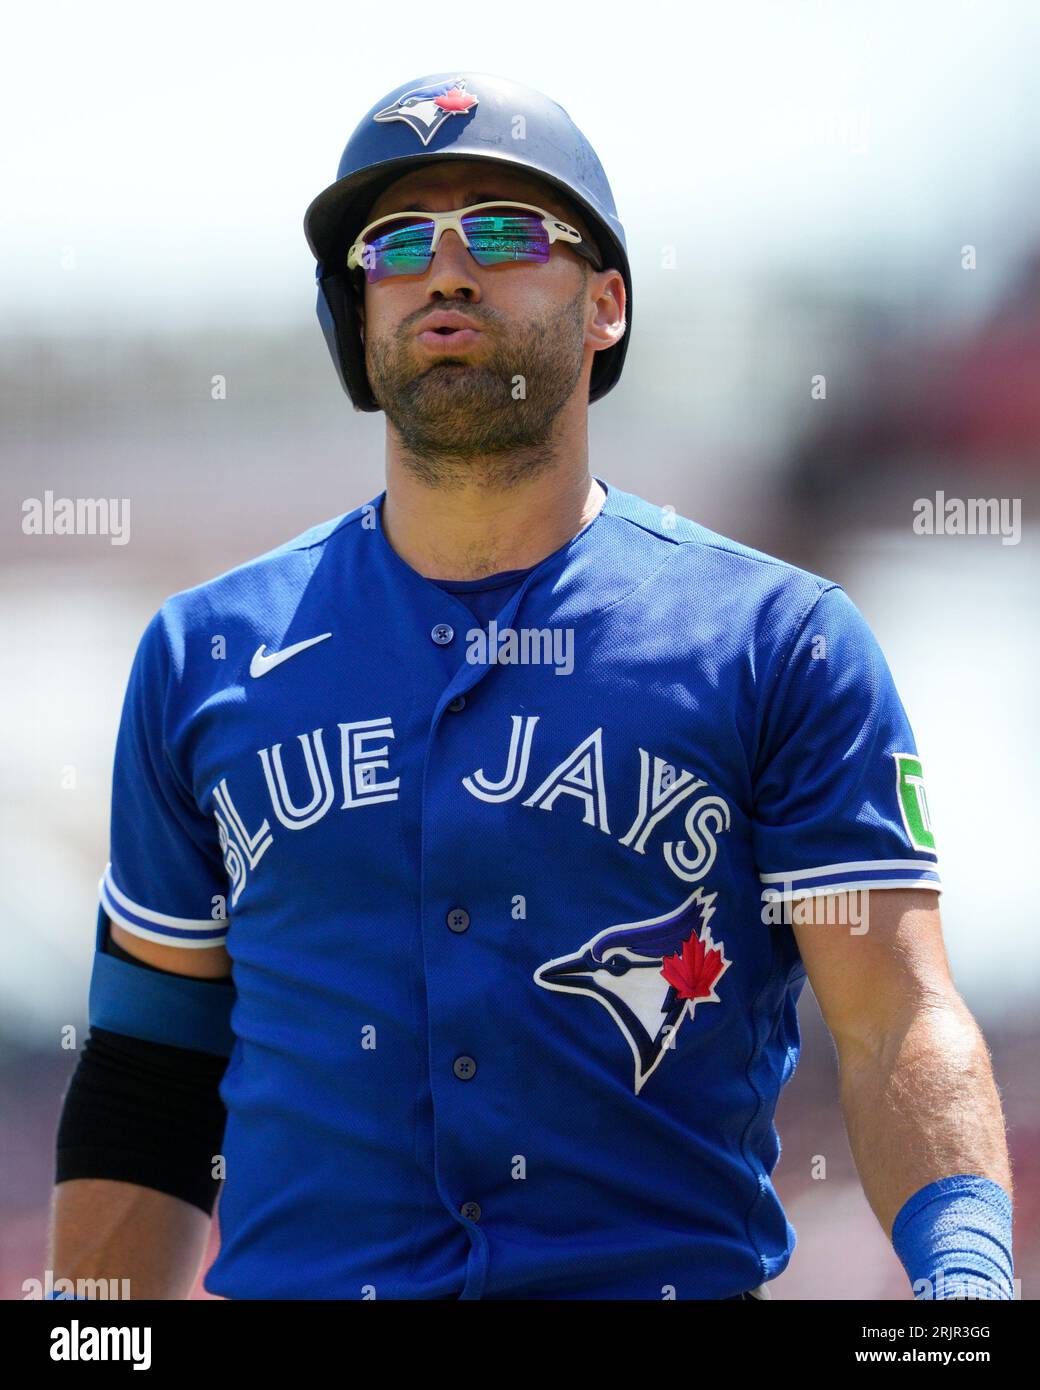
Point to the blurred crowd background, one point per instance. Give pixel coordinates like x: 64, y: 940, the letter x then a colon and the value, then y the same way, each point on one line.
x: 834, y: 227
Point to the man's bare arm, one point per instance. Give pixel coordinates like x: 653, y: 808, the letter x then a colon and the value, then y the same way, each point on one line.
x: 917, y: 1088
x: 118, y: 1230
x: 210, y: 963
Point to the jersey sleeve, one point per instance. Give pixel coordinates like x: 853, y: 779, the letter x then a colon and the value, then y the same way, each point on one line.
x: 839, y: 798
x: 165, y: 880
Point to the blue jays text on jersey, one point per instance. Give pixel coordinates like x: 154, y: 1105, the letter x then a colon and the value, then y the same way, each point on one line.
x: 509, y: 1017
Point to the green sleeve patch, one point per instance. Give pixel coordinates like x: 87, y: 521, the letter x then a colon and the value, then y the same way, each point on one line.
x: 913, y: 803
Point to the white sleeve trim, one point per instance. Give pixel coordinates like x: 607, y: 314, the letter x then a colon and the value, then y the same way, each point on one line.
x: 189, y: 932
x: 773, y: 895
x: 854, y: 867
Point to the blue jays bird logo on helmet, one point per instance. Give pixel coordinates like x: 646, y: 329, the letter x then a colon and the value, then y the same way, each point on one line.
x: 426, y: 109
x: 648, y: 975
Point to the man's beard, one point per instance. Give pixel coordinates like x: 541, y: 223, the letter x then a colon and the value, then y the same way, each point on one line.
x: 496, y: 407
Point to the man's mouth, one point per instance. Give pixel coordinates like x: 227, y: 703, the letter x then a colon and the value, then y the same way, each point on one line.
x: 441, y: 338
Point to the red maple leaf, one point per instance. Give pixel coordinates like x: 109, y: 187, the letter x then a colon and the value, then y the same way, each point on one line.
x: 693, y: 975
x: 455, y: 100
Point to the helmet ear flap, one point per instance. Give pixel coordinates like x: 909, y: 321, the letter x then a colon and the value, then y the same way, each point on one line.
x: 337, y: 307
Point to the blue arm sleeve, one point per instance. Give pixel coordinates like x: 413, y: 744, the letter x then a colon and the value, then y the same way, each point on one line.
x: 157, y: 1005
x: 954, y: 1239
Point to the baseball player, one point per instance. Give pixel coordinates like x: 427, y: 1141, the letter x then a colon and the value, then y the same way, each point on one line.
x: 470, y: 851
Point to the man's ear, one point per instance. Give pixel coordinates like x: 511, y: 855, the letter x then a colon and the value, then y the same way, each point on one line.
x: 359, y: 309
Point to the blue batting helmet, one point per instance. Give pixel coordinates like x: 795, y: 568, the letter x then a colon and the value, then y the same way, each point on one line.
x: 453, y: 116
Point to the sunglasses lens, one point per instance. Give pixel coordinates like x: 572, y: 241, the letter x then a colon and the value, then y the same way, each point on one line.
x: 500, y: 234
x: 496, y: 235
x: 399, y: 248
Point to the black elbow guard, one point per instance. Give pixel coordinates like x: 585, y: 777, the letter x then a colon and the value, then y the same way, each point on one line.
x: 143, y: 1112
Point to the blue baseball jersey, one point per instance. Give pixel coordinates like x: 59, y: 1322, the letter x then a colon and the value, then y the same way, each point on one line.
x: 508, y: 896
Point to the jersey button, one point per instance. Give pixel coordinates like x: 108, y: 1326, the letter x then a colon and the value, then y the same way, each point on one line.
x: 458, y: 919
x: 464, y: 1068
x: 442, y: 634
x: 458, y: 703
x: 470, y: 1210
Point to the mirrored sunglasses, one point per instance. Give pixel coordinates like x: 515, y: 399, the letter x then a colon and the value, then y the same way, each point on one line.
x: 403, y: 243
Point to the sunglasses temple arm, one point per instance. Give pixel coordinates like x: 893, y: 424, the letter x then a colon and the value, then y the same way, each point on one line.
x: 590, y: 255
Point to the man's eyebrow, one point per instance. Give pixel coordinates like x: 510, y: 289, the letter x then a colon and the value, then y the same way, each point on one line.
x: 468, y: 198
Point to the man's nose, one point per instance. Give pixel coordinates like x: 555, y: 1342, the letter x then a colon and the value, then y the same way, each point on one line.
x: 452, y: 267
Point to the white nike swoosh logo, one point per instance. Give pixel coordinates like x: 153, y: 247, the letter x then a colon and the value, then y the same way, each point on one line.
x: 261, y: 663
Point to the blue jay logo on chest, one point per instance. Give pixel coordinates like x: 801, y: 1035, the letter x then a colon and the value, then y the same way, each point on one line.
x: 648, y: 975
